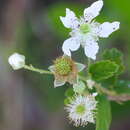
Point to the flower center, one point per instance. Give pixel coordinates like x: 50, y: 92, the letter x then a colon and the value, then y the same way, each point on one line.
x: 80, y: 109
x: 85, y: 28
x: 63, y: 66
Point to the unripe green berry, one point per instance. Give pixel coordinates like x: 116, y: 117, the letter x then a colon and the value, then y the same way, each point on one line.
x: 63, y: 66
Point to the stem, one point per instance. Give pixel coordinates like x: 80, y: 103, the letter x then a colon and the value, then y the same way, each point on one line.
x: 89, y: 63
x: 120, y: 98
x: 104, y: 90
x: 112, y: 95
x: 31, y: 68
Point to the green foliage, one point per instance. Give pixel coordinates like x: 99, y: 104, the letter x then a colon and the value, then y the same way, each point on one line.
x: 122, y: 86
x: 115, y: 56
x: 69, y: 92
x: 110, y: 81
x: 67, y: 101
x: 103, y: 70
x: 103, y: 117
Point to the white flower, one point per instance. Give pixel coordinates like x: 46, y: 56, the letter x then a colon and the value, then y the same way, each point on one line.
x: 17, y: 61
x: 81, y: 110
x: 65, y: 70
x: 90, y: 83
x: 85, y: 31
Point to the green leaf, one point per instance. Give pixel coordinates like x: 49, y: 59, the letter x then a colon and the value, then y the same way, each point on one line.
x: 103, y: 117
x: 110, y: 81
x: 115, y: 56
x: 67, y: 101
x: 69, y: 92
x: 103, y: 70
x: 122, y: 87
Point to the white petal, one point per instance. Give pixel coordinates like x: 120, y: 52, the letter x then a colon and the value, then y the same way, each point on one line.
x: 93, y: 11
x: 58, y: 83
x: 107, y: 28
x: 70, y: 20
x: 80, y: 66
x: 52, y: 68
x: 91, y: 49
x: 90, y: 117
x: 94, y: 94
x: 70, y: 44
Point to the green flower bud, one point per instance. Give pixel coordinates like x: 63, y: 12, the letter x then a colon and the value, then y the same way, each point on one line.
x: 79, y: 87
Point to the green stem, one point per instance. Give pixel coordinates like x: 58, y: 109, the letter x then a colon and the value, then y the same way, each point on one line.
x: 31, y: 68
x: 88, y: 65
x: 89, y: 62
x: 99, y: 88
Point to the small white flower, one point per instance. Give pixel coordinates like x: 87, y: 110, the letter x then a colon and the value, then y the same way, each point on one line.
x: 90, y: 83
x: 85, y: 31
x: 81, y: 110
x: 65, y: 70
x: 17, y: 61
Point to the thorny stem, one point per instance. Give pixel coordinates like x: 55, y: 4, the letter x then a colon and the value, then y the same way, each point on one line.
x: 36, y: 70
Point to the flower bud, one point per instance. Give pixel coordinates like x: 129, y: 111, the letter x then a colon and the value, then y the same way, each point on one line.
x: 90, y: 83
x: 79, y: 87
x: 17, y: 61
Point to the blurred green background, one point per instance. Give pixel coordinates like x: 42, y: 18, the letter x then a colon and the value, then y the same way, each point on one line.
x: 28, y: 101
